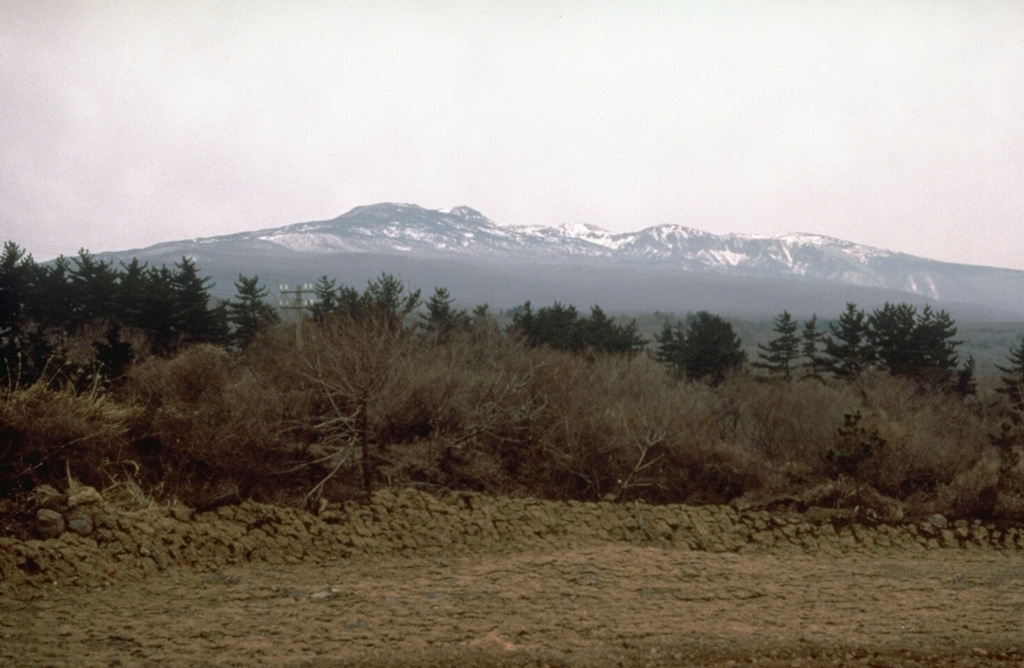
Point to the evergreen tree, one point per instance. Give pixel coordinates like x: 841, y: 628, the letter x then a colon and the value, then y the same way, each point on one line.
x: 194, y: 320
x: 481, y: 314
x: 561, y: 327
x: 964, y: 382
x: 810, y: 341
x: 326, y: 299
x: 523, y: 323
x: 557, y: 326
x: 1012, y: 380
x: 130, y: 295
x: 351, y: 302
x: 441, y: 319
x: 93, y: 288
x: 16, y: 287
x: 387, y: 297
x: 113, y: 354
x: 933, y: 339
x: 47, y: 312
x: 600, y: 333
x: 778, y: 355
x: 914, y: 346
x: 671, y: 346
x: 52, y: 300
x: 158, y: 317
x: 847, y: 347
x: 707, y: 348
x: 891, y: 332
x: 249, y: 312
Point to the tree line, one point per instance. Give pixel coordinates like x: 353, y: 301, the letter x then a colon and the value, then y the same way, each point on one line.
x: 44, y: 307
x: 895, y: 338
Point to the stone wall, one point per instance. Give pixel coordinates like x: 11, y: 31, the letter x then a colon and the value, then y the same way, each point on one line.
x: 102, y: 543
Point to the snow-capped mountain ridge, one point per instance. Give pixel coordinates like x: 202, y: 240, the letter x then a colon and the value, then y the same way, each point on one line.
x: 450, y: 229
x: 463, y: 234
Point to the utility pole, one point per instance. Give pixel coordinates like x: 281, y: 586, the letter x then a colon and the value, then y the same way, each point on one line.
x: 298, y: 303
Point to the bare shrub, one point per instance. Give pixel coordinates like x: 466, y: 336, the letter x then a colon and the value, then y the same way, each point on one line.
x: 790, y: 424
x: 396, y: 408
x: 209, y: 424
x: 929, y: 438
x: 974, y: 492
x: 619, y: 428
x: 344, y: 405
x: 487, y: 413
x: 720, y: 472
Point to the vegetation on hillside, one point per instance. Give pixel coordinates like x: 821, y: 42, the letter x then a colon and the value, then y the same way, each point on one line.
x: 131, y: 374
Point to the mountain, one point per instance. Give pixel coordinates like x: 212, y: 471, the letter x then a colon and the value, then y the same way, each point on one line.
x: 666, y: 267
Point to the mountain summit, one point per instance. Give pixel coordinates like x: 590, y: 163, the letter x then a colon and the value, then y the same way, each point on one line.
x: 464, y: 235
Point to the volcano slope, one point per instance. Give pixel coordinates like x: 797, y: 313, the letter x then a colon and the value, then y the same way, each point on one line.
x: 466, y: 580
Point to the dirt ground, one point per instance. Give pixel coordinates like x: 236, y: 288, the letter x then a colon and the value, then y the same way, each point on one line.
x: 606, y: 604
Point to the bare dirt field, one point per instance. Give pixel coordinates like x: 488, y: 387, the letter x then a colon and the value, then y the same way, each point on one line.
x: 604, y: 601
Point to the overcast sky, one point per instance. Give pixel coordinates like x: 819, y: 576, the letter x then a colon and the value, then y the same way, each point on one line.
x: 899, y: 125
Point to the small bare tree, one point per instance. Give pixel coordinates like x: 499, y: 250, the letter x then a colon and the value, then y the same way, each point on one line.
x: 645, y: 434
x: 354, y: 364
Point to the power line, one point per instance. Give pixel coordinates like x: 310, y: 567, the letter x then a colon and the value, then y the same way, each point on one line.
x: 43, y: 247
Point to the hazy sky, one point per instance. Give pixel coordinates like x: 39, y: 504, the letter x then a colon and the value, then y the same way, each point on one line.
x: 899, y: 125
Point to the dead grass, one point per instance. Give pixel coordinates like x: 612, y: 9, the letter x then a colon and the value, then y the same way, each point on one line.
x: 48, y: 426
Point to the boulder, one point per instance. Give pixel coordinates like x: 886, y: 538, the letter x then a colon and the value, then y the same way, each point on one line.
x: 80, y: 522
x: 49, y: 523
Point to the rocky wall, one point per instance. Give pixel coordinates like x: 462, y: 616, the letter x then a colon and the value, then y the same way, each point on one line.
x: 92, y: 542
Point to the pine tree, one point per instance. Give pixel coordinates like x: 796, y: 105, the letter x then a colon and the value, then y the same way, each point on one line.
x: 1012, y: 380
x: 16, y: 287
x: 600, y: 333
x: 158, y: 317
x: 937, y: 356
x: 557, y: 326
x: 326, y: 302
x: 707, y: 349
x: 671, y: 348
x: 523, y: 323
x: 891, y: 331
x: 810, y: 341
x: 388, y: 298
x: 130, y: 295
x: 93, y: 288
x: 778, y: 355
x: 350, y: 302
x: 441, y: 319
x: 914, y: 346
x: 964, y: 382
x: 249, y: 312
x: 194, y: 320
x: 847, y: 347
x: 481, y: 314
x: 52, y: 300
x: 113, y: 354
